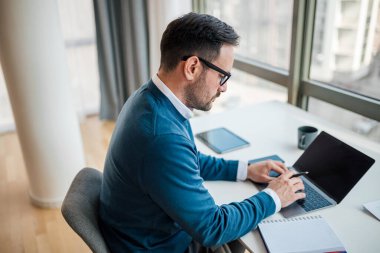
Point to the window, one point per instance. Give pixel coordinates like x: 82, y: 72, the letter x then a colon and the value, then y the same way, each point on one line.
x: 244, y: 89
x: 264, y: 26
x: 6, y: 116
x: 78, y: 27
x: 265, y: 30
x: 328, y: 57
x: 346, y: 46
x: 347, y: 119
x: 345, y: 65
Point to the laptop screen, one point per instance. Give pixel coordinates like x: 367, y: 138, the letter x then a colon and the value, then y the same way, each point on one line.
x: 333, y: 165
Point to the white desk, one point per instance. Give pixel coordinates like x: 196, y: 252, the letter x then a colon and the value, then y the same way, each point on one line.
x: 271, y: 128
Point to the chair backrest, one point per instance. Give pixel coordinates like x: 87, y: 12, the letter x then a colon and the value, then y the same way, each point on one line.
x: 80, y: 208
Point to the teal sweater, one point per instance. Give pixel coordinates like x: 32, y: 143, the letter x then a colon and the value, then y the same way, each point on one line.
x: 153, y: 198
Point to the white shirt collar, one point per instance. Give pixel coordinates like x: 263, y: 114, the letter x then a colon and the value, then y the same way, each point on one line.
x: 181, y: 108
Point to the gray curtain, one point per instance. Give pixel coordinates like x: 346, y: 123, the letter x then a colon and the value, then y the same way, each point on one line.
x: 123, y: 55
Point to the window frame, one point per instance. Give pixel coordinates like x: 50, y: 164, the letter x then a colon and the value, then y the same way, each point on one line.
x: 296, y: 80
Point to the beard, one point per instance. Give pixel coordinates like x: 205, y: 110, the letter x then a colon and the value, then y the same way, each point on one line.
x: 197, y: 93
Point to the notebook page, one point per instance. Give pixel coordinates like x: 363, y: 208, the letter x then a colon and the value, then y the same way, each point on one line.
x: 300, y: 234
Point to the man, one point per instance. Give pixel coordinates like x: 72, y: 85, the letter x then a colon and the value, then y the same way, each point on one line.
x: 152, y: 197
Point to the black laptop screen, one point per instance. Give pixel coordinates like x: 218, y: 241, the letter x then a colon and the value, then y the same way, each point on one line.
x: 333, y: 165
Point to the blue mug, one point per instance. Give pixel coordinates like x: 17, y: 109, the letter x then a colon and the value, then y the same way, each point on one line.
x: 306, y: 135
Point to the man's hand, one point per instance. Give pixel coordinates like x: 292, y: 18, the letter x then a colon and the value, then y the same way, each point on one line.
x: 286, y: 188
x: 259, y: 172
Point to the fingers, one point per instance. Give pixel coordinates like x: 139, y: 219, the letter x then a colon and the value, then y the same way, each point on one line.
x: 288, y: 174
x: 298, y: 188
x: 295, y: 180
x: 267, y: 178
x: 295, y: 183
x: 299, y: 195
x: 277, y: 166
x: 288, y: 189
x: 281, y: 165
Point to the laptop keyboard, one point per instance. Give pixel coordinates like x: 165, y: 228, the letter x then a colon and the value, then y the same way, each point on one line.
x: 313, y: 199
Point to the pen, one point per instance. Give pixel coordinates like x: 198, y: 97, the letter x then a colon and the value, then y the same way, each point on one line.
x: 300, y: 174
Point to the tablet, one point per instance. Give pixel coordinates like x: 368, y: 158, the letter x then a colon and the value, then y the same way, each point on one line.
x: 222, y: 140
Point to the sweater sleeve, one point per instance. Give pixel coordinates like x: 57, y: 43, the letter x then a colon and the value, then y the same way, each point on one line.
x: 212, y: 168
x: 171, y: 177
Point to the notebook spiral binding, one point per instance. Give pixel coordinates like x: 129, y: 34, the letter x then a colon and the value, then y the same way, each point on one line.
x: 292, y: 219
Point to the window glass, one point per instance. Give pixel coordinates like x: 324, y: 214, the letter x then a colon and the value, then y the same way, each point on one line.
x: 264, y: 27
x: 346, y: 45
x: 244, y: 89
x: 6, y: 116
x: 367, y: 127
x: 78, y: 28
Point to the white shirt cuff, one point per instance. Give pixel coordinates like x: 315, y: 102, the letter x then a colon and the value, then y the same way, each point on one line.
x: 242, y: 171
x: 275, y: 198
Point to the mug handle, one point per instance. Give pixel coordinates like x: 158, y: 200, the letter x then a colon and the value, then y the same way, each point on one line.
x: 302, y: 141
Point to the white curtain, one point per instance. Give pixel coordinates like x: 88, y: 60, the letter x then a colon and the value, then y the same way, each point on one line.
x: 161, y: 12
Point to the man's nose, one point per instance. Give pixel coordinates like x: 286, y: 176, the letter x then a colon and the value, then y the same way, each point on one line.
x: 223, y: 88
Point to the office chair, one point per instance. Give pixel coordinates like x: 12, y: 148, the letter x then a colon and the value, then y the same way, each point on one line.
x: 80, y: 208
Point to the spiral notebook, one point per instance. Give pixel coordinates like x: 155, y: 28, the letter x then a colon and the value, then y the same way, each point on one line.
x: 301, y: 234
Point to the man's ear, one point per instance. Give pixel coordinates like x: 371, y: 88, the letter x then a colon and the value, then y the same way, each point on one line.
x: 192, y: 68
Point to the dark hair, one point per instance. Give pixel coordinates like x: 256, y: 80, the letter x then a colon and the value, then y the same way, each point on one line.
x: 195, y: 34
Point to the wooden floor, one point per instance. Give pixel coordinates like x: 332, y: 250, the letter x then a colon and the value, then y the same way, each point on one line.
x: 25, y: 228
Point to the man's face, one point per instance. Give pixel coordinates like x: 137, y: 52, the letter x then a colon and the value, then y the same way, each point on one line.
x: 202, y: 93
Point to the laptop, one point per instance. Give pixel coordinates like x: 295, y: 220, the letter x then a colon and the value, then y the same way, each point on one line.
x: 334, y: 169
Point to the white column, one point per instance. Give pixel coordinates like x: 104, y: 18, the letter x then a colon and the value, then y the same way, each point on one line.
x: 33, y: 59
x: 161, y: 13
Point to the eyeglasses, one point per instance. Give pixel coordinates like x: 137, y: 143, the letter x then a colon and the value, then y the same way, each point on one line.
x: 223, y: 79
